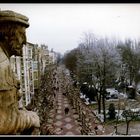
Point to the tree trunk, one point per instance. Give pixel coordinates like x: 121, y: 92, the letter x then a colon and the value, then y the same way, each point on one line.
x: 99, y: 106
x: 104, y: 110
x: 130, y: 80
x: 99, y: 103
x: 127, y: 127
x: 131, y: 76
x: 104, y: 90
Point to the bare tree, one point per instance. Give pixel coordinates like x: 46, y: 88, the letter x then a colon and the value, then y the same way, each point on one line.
x: 101, y: 55
x: 129, y: 116
x: 96, y: 63
x: 129, y: 52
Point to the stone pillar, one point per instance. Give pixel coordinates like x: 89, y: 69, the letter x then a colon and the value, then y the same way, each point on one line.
x: 12, y: 38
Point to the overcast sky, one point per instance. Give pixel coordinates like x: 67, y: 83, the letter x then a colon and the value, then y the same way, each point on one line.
x: 61, y: 26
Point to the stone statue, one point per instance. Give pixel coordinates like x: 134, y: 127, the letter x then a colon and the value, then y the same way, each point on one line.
x: 12, y: 38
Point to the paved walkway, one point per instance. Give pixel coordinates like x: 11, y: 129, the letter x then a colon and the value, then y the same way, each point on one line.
x: 67, y: 124
x: 60, y: 123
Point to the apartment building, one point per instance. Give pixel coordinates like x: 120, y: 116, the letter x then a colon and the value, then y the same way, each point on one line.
x: 52, y: 57
x: 30, y: 67
x: 43, y: 57
x: 17, y: 66
x: 36, y: 67
x: 23, y: 69
x: 27, y: 75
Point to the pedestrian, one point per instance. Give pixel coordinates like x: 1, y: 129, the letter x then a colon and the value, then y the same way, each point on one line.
x: 66, y: 110
x: 96, y: 129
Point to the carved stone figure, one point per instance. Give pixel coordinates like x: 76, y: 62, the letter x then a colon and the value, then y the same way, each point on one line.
x: 12, y: 38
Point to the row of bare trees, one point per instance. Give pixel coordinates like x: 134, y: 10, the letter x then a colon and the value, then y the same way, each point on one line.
x: 100, y: 61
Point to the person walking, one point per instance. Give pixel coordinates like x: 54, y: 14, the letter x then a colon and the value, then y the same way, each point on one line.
x: 66, y: 110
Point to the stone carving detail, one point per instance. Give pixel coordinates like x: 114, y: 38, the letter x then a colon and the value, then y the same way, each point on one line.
x: 12, y: 38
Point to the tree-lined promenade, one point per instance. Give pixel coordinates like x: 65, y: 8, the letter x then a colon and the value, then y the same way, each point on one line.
x: 63, y: 94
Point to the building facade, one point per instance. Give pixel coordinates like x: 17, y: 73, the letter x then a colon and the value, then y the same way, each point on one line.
x: 30, y: 67
x: 52, y: 57
x: 23, y: 69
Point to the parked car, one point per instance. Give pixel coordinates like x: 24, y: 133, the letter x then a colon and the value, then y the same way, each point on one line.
x: 112, y: 93
x: 108, y: 97
x: 138, y: 91
x: 114, y: 96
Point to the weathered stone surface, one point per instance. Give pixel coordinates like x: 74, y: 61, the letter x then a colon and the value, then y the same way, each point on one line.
x: 12, y: 38
x: 11, y: 16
